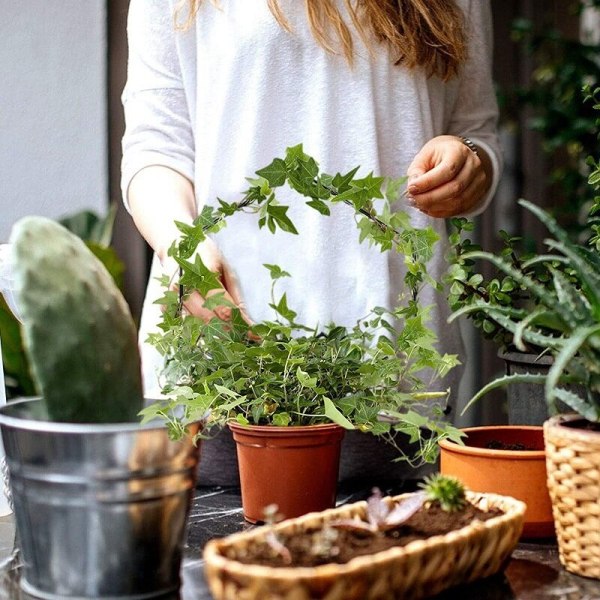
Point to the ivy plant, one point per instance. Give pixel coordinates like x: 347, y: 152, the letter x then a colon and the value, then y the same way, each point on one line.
x: 376, y: 376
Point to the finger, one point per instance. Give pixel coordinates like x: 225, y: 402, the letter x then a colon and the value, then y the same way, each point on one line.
x: 459, y: 205
x: 194, y: 305
x: 226, y: 303
x: 446, y: 190
x: 446, y: 171
x: 231, y: 284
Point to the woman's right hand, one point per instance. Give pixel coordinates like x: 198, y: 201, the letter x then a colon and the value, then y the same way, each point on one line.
x: 214, y: 260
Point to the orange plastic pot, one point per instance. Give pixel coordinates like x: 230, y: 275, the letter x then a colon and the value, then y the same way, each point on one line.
x: 517, y: 473
x: 295, y: 468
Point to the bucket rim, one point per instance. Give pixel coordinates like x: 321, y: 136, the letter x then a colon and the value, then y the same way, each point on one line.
x: 10, y: 417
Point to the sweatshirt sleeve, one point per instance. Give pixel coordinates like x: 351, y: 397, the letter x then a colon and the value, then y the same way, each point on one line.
x: 475, y: 113
x: 158, y: 130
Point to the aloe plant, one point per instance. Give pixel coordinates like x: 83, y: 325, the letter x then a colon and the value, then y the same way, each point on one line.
x: 563, y: 316
x: 565, y: 320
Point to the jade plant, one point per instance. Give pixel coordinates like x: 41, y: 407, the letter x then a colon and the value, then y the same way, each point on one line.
x: 376, y: 376
x: 562, y: 316
x: 78, y: 333
x: 470, y: 287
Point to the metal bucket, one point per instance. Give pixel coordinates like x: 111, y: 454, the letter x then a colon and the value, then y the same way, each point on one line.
x: 100, y: 510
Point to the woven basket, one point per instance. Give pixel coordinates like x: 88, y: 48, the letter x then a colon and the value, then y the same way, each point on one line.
x: 417, y: 570
x: 573, y: 463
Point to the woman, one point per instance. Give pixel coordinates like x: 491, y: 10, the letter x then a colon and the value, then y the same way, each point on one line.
x: 216, y: 92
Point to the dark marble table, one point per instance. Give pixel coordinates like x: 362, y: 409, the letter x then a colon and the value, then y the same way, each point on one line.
x: 534, y: 572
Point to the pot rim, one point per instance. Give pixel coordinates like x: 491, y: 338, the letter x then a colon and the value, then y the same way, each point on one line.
x: 455, y: 448
x: 289, y: 431
x: 526, y: 358
x: 26, y: 422
x: 560, y: 420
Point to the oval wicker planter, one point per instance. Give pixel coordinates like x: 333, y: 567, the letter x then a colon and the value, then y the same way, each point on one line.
x: 518, y: 473
x: 421, y: 568
x: 573, y: 460
x: 295, y: 468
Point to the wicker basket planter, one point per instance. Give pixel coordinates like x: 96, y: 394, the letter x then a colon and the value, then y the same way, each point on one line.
x: 573, y: 463
x: 419, y: 569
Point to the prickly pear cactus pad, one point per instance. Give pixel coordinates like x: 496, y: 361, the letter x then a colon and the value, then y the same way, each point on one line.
x: 77, y: 328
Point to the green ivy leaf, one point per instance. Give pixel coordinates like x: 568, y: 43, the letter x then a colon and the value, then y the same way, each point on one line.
x: 294, y: 154
x: 333, y: 413
x: 305, y: 380
x: 320, y: 206
x: 342, y: 182
x: 197, y: 276
x: 283, y: 309
x: 281, y: 419
x: 276, y: 272
x: 276, y: 173
x: 278, y: 215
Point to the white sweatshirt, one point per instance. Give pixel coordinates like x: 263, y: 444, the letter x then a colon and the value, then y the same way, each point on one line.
x: 221, y: 100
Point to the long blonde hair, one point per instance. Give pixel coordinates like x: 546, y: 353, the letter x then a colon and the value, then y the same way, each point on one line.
x: 419, y: 33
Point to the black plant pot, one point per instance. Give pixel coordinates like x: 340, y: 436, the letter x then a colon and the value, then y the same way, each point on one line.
x: 526, y: 401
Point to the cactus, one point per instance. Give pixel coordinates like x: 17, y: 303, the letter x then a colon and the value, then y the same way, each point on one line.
x: 78, y: 332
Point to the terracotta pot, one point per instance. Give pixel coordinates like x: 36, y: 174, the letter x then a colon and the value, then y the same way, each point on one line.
x: 293, y: 467
x: 517, y: 473
x: 573, y: 459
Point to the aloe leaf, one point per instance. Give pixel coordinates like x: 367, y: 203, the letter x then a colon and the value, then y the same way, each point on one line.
x: 559, y: 233
x: 503, y: 382
x: 585, y: 262
x: 521, y: 327
x: 561, y: 361
x: 587, y: 273
x: 587, y: 408
x: 536, y: 338
x: 502, y: 315
x: 485, y: 307
x: 543, y: 258
x: 572, y: 297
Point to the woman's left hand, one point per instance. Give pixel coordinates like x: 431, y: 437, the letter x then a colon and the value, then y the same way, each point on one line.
x: 446, y: 178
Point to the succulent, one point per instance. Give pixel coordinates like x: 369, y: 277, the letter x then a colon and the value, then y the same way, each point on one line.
x: 448, y: 491
x: 78, y: 332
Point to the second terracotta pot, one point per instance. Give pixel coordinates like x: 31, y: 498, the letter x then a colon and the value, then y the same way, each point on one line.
x: 486, y: 463
x: 295, y: 468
